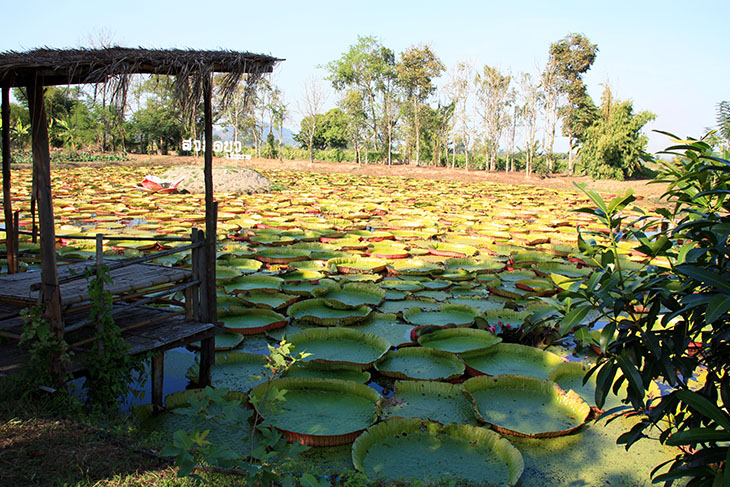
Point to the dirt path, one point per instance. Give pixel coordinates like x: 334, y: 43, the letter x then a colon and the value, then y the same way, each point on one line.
x: 641, y: 187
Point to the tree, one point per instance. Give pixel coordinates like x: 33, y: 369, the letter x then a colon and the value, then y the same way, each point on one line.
x: 331, y: 131
x: 530, y: 99
x: 552, y: 103
x: 159, y: 125
x: 614, y: 146
x: 369, y: 69
x: 311, y: 104
x: 723, y: 122
x: 571, y: 57
x: 417, y: 68
x: 492, y: 92
x: 459, y: 89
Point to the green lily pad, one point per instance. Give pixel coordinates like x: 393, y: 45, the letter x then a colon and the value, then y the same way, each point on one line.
x: 251, y: 321
x: 245, y: 266
x: 355, y: 265
x: 236, y: 371
x: 316, y: 311
x: 451, y: 250
x: 511, y: 358
x: 447, y: 315
x: 414, y: 267
x: 420, y: 364
x: 254, y: 283
x: 281, y: 255
x: 475, y: 266
x: 526, y: 406
x: 388, y: 327
x: 223, y: 342
x: 224, y: 274
x: 317, y: 412
x: 401, y: 307
x: 401, y: 285
x: 351, y: 295
x: 435, y: 401
x: 505, y: 317
x: 319, y: 370
x: 457, y: 340
x: 413, y: 449
x: 268, y: 300
x: 569, y: 376
x: 340, y: 346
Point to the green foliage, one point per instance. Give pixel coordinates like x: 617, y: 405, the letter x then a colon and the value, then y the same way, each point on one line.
x: 158, y: 126
x: 111, y: 369
x: 723, y: 122
x: 667, y: 318
x: 572, y: 57
x: 330, y: 131
x: 614, y: 146
x: 270, y: 456
x: 42, y: 346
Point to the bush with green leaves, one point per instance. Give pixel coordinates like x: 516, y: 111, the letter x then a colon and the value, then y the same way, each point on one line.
x: 666, y: 317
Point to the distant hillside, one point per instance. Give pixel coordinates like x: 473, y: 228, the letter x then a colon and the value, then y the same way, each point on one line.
x: 226, y: 133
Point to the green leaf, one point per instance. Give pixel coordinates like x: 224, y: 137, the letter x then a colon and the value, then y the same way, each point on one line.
x: 697, y: 435
x: 704, y: 407
x: 705, y: 276
x: 634, y: 378
x: 718, y: 306
x: 573, y: 318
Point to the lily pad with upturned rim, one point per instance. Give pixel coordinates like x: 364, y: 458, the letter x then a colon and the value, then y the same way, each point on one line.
x: 388, y: 327
x: 252, y: 321
x: 511, y: 358
x: 526, y: 406
x: 414, y: 449
x: 316, y: 311
x: 236, y: 371
x: 320, y: 370
x: 318, y: 412
x: 223, y: 342
x: 339, y: 346
x: 355, y: 265
x: 436, y: 401
x: 351, y: 295
x: 458, y: 340
x: 447, y: 315
x: 253, y: 283
x: 417, y: 363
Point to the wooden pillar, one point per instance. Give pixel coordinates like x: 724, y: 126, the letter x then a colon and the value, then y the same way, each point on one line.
x: 158, y: 379
x: 207, y: 360
x: 50, y: 291
x: 211, y: 216
x: 10, y: 236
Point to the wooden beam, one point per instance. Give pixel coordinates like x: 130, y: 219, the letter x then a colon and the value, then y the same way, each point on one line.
x: 207, y: 360
x: 211, y: 216
x: 50, y: 290
x: 10, y: 237
x: 158, y: 379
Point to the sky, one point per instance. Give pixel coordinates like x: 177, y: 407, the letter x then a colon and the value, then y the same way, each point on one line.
x: 670, y: 57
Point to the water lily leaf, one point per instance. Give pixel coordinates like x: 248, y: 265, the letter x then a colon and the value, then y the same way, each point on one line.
x: 457, y: 340
x: 340, y: 346
x: 318, y: 312
x: 511, y: 358
x: 420, y: 364
x: 435, y: 401
x: 252, y: 321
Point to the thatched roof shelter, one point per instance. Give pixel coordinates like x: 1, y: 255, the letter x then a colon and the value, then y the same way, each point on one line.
x: 37, y: 68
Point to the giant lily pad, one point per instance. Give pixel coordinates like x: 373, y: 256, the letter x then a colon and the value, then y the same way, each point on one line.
x: 447, y: 315
x: 316, y: 311
x: 251, y: 321
x: 420, y: 364
x: 254, y: 283
x: 457, y: 340
x: 236, y: 371
x: 569, y: 376
x: 511, y: 358
x: 351, y: 295
x: 435, y: 401
x: 413, y: 449
x: 355, y: 265
x: 388, y: 327
x: 526, y: 406
x: 340, y: 346
x: 317, y: 412
x: 281, y: 255
x: 322, y: 370
x: 414, y: 267
x: 262, y: 299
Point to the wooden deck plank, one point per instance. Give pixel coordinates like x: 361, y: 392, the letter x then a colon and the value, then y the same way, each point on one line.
x: 16, y: 288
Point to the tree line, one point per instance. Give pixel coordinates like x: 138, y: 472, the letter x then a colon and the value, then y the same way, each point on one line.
x: 389, y: 109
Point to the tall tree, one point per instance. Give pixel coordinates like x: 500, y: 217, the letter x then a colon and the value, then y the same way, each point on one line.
x: 552, y: 102
x: 417, y: 68
x: 614, y: 146
x: 369, y: 68
x: 530, y: 96
x: 723, y: 122
x: 311, y: 105
x: 492, y: 88
x: 572, y: 57
x: 459, y: 89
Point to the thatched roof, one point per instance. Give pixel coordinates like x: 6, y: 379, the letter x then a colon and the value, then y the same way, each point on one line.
x: 72, y: 66
x: 115, y: 65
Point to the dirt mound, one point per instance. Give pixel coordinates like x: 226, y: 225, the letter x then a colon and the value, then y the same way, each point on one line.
x: 225, y: 179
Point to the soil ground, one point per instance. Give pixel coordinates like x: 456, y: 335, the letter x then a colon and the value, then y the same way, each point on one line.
x: 641, y: 187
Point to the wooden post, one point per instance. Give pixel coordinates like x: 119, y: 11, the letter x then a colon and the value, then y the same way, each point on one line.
x: 99, y: 273
x: 10, y: 234
x: 158, y: 379
x: 196, y: 275
x: 207, y: 360
x: 211, y: 216
x: 50, y: 291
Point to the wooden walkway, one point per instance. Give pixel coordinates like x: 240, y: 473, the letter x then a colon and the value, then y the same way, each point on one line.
x: 145, y: 328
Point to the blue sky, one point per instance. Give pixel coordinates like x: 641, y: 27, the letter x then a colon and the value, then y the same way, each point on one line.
x: 669, y: 57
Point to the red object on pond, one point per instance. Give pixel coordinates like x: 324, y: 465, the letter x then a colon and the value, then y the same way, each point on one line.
x: 153, y: 184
